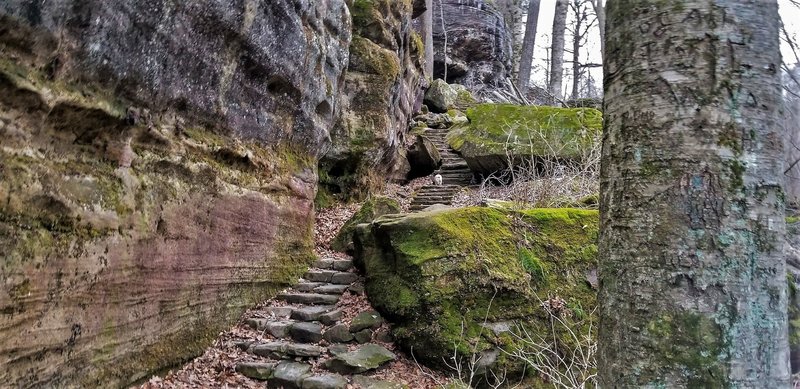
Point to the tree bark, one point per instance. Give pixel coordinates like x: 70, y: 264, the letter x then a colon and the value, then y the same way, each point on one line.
x: 580, y: 17
x: 427, y: 36
x: 557, y: 57
x: 693, y: 280
x: 600, y: 12
x: 528, y: 46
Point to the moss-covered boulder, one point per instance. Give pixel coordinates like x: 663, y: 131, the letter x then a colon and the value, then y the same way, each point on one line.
x: 496, y: 131
x: 462, y: 279
x: 441, y: 97
x: 372, y: 208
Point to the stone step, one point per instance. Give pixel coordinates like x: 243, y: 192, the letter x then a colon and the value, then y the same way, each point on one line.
x: 313, y: 313
x: 334, y: 264
x: 325, y: 381
x: 289, y: 375
x: 443, y: 191
x: 285, y: 350
x: 330, y: 276
x: 320, y: 287
x: 306, y: 332
x: 429, y: 186
x: 309, y: 298
x: 432, y: 198
x: 277, y: 328
x: 455, y: 166
x: 331, y: 289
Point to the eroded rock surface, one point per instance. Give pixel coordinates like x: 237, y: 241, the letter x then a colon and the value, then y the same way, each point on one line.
x: 157, y: 175
x: 478, y: 45
x: 383, y: 88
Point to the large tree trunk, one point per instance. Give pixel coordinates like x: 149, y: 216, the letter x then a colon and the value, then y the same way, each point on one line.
x: 528, y: 46
x: 427, y: 36
x: 693, y: 280
x: 557, y: 56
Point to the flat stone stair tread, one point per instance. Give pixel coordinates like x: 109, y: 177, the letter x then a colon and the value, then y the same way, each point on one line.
x: 308, y: 286
x: 309, y: 298
x: 319, y: 275
x: 289, y: 375
x: 283, y: 349
x: 256, y: 370
x: 334, y: 264
x: 324, y: 381
x: 330, y: 289
x: 306, y: 332
x: 312, y: 313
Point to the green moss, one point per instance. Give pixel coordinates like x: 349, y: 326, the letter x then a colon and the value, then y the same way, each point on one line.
x: 527, y: 130
x: 689, y: 342
x: 371, y: 58
x: 372, y: 208
x: 440, y: 275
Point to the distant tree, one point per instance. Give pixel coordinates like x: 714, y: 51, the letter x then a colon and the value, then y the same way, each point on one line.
x: 528, y: 46
x: 600, y: 12
x: 512, y: 11
x: 692, y: 274
x: 427, y: 36
x: 581, y: 27
x: 557, y: 50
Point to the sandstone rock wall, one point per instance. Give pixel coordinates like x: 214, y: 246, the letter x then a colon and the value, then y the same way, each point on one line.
x: 157, y: 174
x: 383, y: 89
x: 479, y: 53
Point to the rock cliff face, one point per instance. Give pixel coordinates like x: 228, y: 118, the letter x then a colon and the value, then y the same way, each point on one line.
x: 384, y: 86
x: 157, y: 174
x: 479, y: 52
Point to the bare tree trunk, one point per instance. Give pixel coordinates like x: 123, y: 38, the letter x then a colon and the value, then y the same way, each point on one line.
x: 444, y: 32
x: 557, y: 57
x: 693, y: 280
x: 576, y: 48
x: 528, y: 46
x: 427, y: 36
x: 600, y: 12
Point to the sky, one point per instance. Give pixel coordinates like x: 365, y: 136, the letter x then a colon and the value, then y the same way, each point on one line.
x: 789, y: 13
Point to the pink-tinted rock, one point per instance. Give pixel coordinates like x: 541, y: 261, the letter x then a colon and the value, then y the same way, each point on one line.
x: 157, y: 175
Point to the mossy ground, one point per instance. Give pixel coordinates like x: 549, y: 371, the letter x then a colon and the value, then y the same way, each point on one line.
x: 440, y: 275
x: 527, y: 130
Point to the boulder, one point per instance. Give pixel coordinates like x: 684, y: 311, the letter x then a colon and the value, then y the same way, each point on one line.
x: 372, y: 208
x: 446, y: 278
x: 479, y: 52
x: 158, y: 175
x: 495, y: 131
x: 383, y: 87
x: 424, y: 158
x: 366, y: 320
x: 441, y: 97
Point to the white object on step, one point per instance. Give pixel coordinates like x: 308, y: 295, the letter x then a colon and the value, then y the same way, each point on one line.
x: 437, y: 180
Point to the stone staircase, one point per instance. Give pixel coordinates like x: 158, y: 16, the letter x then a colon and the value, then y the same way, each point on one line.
x: 310, y: 343
x: 454, y: 171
